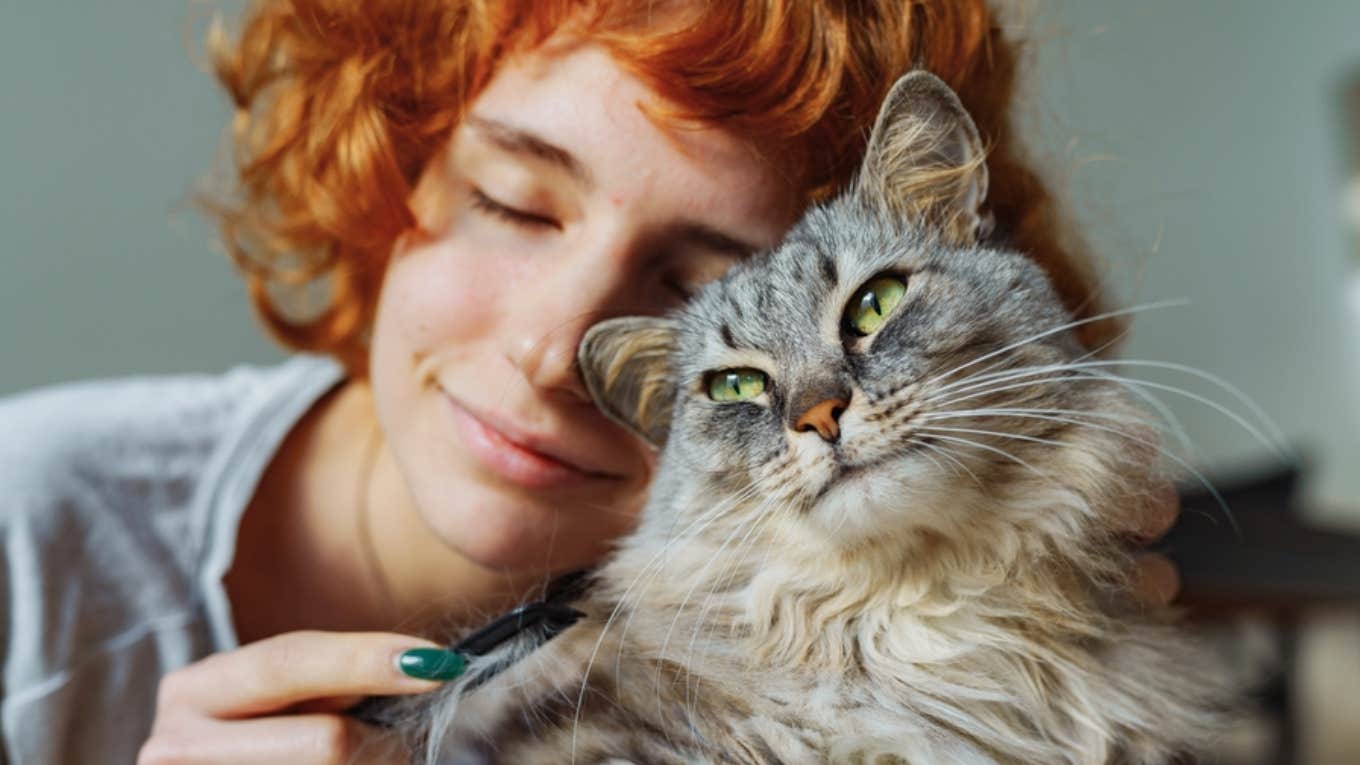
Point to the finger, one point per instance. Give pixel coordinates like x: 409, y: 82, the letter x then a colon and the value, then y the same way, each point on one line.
x: 283, y: 670
x: 1159, y: 514
x: 1156, y: 580
x: 329, y: 705
x: 296, y: 739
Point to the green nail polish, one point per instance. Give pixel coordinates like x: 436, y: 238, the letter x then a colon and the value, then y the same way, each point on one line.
x: 431, y: 663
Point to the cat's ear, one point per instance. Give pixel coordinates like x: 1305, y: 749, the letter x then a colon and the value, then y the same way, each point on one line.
x: 925, y: 161
x: 626, y: 365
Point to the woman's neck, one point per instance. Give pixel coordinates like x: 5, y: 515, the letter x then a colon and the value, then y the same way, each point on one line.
x: 333, y: 540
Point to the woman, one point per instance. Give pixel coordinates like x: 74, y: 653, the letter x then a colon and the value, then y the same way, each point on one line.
x: 478, y: 185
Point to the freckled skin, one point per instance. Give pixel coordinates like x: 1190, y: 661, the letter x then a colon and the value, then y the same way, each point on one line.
x: 484, y: 310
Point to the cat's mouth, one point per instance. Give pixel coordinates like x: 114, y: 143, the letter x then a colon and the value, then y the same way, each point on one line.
x: 847, y: 467
x: 848, y: 470
x: 845, y: 471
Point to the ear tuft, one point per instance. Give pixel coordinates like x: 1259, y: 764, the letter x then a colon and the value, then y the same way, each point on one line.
x: 626, y: 365
x: 925, y: 163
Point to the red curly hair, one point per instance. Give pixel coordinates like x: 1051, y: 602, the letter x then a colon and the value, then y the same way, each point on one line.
x: 341, y: 103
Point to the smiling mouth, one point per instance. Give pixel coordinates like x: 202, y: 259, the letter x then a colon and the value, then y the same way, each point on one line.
x: 513, y: 461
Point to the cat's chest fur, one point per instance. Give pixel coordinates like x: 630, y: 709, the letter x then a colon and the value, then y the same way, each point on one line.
x: 699, y: 665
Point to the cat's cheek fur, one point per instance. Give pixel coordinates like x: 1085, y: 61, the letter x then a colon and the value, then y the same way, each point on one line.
x: 731, y: 444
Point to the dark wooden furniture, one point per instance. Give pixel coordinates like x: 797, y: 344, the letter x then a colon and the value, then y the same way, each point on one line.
x: 1271, y: 563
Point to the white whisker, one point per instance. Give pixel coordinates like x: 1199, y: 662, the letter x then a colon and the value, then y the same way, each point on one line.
x: 1131, y: 384
x: 702, y: 520
x: 1278, y: 443
x: 943, y: 452
x: 1279, y: 437
x: 1281, y: 451
x: 973, y: 382
x: 1003, y: 453
x: 964, y: 413
x: 657, y: 564
x: 744, y: 546
x: 699, y: 579
x: 1061, y: 328
x: 1223, y: 505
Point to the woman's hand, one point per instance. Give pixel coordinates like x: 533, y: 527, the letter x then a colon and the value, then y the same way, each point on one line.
x: 280, y: 700
x: 1156, y: 582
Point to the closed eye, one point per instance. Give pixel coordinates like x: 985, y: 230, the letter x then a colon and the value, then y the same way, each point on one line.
x: 511, y: 215
x: 678, y: 289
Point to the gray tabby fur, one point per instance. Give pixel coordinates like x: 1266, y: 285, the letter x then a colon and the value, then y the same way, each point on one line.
x: 899, y: 595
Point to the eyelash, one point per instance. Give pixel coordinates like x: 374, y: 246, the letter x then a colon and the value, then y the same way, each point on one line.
x: 511, y: 215
x: 515, y: 217
x: 680, y: 290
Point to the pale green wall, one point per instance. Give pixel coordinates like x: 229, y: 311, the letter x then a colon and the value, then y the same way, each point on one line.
x: 105, y: 125
x: 1220, y: 127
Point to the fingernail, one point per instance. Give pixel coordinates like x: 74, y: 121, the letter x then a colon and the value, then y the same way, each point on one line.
x: 431, y: 663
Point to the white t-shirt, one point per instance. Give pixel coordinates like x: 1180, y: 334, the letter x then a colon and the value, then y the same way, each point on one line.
x: 119, y: 507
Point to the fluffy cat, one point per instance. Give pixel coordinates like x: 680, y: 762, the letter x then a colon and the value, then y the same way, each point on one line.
x: 885, y: 524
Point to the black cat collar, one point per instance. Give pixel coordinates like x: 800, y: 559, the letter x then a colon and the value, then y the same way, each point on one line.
x: 549, y: 616
x: 545, y: 619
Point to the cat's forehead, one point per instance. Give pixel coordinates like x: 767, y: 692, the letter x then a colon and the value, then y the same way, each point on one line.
x: 780, y: 300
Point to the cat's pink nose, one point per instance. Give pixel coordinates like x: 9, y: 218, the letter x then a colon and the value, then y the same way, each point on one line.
x: 822, y: 417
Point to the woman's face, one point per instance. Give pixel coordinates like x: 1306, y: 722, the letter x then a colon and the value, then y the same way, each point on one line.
x: 556, y: 204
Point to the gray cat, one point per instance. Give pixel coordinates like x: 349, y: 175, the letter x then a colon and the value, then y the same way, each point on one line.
x: 884, y: 527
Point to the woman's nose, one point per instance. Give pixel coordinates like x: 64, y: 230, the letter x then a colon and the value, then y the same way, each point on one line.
x: 546, y: 329
x: 546, y: 358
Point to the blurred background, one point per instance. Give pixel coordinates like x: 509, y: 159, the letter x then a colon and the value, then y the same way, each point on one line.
x: 1211, y: 151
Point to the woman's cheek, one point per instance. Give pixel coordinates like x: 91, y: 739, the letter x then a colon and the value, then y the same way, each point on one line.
x: 438, y: 295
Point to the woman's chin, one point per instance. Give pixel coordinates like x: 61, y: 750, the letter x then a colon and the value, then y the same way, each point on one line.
x: 517, y: 535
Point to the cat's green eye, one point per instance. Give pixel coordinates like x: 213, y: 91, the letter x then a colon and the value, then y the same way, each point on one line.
x: 736, y: 384
x: 870, y: 306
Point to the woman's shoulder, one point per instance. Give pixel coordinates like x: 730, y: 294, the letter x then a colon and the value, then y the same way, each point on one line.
x: 88, y: 463
x: 116, y: 498
x: 57, y: 438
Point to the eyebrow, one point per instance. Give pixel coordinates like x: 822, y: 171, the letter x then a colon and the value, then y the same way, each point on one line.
x: 520, y: 141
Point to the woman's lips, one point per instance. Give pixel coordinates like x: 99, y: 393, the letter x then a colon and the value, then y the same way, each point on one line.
x: 512, y: 461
